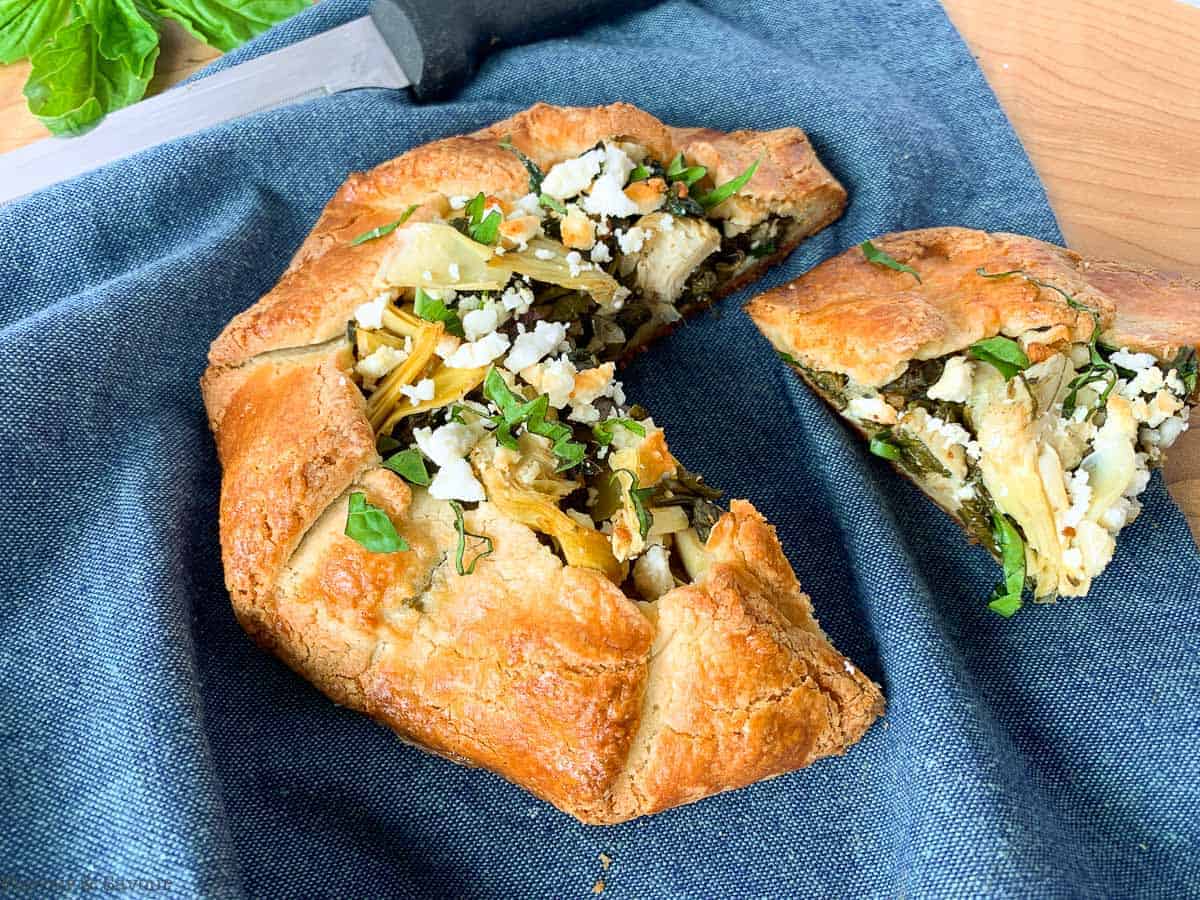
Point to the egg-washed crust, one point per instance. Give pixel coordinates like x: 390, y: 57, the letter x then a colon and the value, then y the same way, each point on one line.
x: 544, y: 673
x: 328, y: 277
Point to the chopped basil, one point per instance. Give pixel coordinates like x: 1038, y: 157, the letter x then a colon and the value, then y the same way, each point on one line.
x: 1185, y: 365
x: 689, y: 175
x: 789, y: 359
x: 758, y: 251
x: 639, y: 173
x: 383, y: 230
x: 535, y: 172
x: 728, y: 189
x: 515, y: 412
x: 436, y: 311
x: 880, y: 258
x: 881, y: 446
x: 483, y: 229
x: 637, y: 496
x: 1006, y: 598
x: 1003, y: 353
x: 409, y: 465
x: 371, y: 527
x: 550, y: 203
x: 461, y: 527
x: 603, y: 431
x: 385, y: 443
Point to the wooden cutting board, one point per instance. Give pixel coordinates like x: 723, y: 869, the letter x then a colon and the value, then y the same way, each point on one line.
x: 1102, y: 93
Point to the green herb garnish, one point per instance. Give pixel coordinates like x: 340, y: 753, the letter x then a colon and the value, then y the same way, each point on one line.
x: 534, y: 170
x: 603, y: 431
x: 637, y: 496
x: 549, y: 202
x: 729, y: 188
x: 515, y: 411
x: 371, y: 527
x: 409, y: 465
x: 483, y: 229
x: 436, y: 311
x: 461, y: 527
x: 639, y: 173
x: 1186, y: 367
x: 788, y: 358
x: 881, y: 446
x: 383, y: 230
x: 1006, y: 598
x: 385, y: 444
x: 758, y: 251
x: 880, y: 258
x: 90, y: 58
x: 689, y: 175
x: 1003, y: 353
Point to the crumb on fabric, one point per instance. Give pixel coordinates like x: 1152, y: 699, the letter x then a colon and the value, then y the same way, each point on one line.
x: 605, y: 861
x: 598, y: 887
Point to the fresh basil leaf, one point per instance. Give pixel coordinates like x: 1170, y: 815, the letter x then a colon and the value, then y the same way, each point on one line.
x: 72, y: 84
x: 515, y: 412
x: 1006, y: 598
x: 550, y: 203
x: 881, y: 446
x: 409, y: 465
x: 603, y: 431
x: 487, y: 231
x: 689, y: 175
x: 728, y: 189
x: 436, y: 311
x: 1185, y: 364
x: 637, y: 497
x: 534, y: 170
x: 27, y: 24
x: 385, y: 443
x: 371, y: 527
x: 1003, y: 353
x: 880, y: 258
x: 383, y: 230
x: 461, y: 527
x: 226, y: 24
x: 639, y: 173
x: 474, y: 208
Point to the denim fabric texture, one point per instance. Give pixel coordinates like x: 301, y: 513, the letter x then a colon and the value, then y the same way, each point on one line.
x: 143, y: 736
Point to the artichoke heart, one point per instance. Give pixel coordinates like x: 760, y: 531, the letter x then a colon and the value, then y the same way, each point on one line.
x: 449, y: 386
x: 581, y: 546
x: 437, y: 256
x: 552, y: 267
x: 387, y: 396
x: 669, y: 257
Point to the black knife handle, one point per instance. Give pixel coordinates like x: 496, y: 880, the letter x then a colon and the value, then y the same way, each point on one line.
x: 440, y: 43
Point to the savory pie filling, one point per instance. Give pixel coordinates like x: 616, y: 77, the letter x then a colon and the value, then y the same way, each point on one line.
x: 488, y: 361
x: 1041, y: 462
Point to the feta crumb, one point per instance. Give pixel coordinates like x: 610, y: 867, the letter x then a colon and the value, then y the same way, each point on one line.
x: 456, y: 481
x: 459, y: 201
x: 446, y: 346
x: 955, y: 384
x: 601, y: 254
x: 381, y: 361
x: 574, y: 261
x: 370, y: 314
x: 1080, y: 491
x: 448, y: 442
x: 570, y: 177
x: 517, y: 299
x: 631, y: 241
x: 481, y: 322
x: 607, y: 196
x: 872, y: 409
x: 652, y: 572
x: 1132, y: 361
x: 474, y: 354
x: 419, y: 392
x: 530, y: 347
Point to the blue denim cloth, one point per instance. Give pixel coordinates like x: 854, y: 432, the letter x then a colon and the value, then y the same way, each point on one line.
x: 142, y: 736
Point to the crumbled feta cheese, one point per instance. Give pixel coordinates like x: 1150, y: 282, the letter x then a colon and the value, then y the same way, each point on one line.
x: 570, y: 177
x: 419, y: 392
x: 965, y: 493
x: 1175, y: 383
x: 631, y: 241
x: 1133, y: 361
x: 448, y: 442
x: 530, y: 347
x: 459, y: 201
x: 473, y: 354
x: 955, y: 384
x: 575, y: 263
x: 652, y: 572
x: 456, y: 481
x: 608, y: 198
x: 1079, y: 490
x: 871, y: 409
x: 543, y: 253
x: 526, y: 206
x: 381, y: 361
x: 446, y: 346
x: 1169, y: 431
x: 1147, y: 381
x: 370, y: 314
x: 480, y: 322
x: 555, y: 378
x: 517, y: 299
x: 601, y: 254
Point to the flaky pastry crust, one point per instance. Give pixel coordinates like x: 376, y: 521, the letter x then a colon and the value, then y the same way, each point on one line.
x: 545, y: 673
x: 867, y: 321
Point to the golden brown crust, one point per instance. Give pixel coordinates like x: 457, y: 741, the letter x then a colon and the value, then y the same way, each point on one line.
x: 541, y: 672
x: 867, y: 321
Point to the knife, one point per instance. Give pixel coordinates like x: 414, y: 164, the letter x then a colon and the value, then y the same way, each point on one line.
x: 430, y: 46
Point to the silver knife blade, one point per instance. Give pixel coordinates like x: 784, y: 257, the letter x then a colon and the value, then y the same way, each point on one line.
x: 353, y: 55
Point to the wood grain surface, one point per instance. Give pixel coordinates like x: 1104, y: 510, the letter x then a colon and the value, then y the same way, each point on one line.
x: 1103, y: 93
